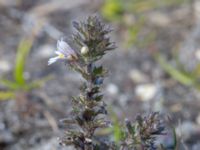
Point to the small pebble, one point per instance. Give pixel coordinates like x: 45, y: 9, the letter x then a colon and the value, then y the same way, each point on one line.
x: 198, y: 119
x: 5, y: 66
x: 176, y: 107
x: 146, y: 91
x: 197, y: 54
x: 112, y: 89
x: 123, y: 100
x: 196, y: 146
x: 45, y: 51
x: 6, y: 137
x: 137, y: 76
x: 187, y: 129
x: 159, y: 19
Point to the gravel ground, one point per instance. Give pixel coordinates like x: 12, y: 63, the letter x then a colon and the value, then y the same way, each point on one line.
x: 136, y: 83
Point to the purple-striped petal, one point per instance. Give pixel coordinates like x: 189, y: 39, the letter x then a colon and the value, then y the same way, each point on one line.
x: 64, y: 48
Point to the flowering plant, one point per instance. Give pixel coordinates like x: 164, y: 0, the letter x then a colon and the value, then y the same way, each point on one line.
x: 64, y: 52
x: 89, y: 110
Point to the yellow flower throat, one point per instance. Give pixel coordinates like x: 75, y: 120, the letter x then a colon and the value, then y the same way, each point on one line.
x: 61, y: 56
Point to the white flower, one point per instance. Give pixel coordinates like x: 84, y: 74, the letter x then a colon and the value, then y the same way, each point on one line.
x: 63, y: 52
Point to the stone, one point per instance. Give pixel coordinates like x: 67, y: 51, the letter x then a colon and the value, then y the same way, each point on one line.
x: 112, y: 89
x: 137, y: 76
x: 187, y: 129
x: 45, y: 51
x: 146, y: 91
x: 5, y: 66
x: 159, y: 19
x: 6, y: 137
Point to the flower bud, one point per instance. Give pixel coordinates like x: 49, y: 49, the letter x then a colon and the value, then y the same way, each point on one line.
x: 84, y: 50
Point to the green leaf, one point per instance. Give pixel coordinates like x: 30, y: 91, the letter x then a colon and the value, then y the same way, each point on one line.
x: 131, y: 129
x: 22, y: 54
x: 6, y: 95
x: 95, y: 90
x: 112, y: 9
x: 98, y: 70
x: 98, y: 98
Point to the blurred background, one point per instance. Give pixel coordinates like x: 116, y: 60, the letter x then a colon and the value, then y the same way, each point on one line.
x: 156, y: 66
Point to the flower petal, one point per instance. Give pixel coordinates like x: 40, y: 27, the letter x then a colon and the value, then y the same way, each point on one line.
x: 64, y: 48
x: 58, y: 52
x: 53, y: 60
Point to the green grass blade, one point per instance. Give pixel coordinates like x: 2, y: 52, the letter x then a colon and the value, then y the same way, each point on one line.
x: 116, y: 128
x: 37, y: 83
x: 175, y: 138
x: 174, y: 72
x: 6, y: 95
x: 9, y: 84
x: 22, y: 53
x: 117, y: 131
